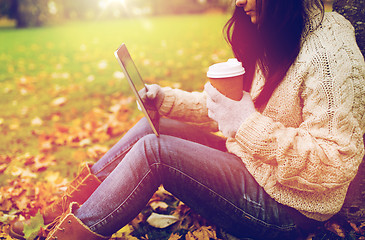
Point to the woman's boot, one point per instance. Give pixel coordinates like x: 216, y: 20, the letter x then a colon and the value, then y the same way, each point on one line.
x: 79, y: 190
x: 70, y: 227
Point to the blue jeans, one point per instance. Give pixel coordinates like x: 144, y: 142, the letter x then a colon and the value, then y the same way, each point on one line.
x: 195, y: 167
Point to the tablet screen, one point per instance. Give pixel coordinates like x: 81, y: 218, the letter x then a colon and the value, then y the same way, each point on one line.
x: 136, y: 83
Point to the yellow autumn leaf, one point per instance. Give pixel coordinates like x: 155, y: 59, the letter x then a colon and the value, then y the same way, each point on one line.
x: 189, y: 236
x: 31, y: 229
x: 205, y: 233
x: 174, y: 236
x: 124, y: 233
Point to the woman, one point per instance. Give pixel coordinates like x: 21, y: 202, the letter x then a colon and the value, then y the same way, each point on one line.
x: 294, y: 140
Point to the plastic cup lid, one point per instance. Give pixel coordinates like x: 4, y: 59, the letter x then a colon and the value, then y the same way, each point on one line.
x: 231, y: 68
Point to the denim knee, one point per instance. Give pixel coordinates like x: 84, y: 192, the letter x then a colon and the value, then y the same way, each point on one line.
x: 150, y: 148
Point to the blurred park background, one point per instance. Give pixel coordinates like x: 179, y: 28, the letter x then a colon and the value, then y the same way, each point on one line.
x: 40, y: 12
x: 57, y: 61
x: 57, y: 58
x: 62, y: 91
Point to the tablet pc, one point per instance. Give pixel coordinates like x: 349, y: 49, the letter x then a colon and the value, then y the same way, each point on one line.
x: 136, y: 83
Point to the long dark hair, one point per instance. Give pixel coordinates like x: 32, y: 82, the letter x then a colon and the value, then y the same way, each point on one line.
x: 273, y: 42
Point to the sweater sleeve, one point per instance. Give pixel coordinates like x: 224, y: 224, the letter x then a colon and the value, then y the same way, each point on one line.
x: 324, y: 152
x: 188, y: 107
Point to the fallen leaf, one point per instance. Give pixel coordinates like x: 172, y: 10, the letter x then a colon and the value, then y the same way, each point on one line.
x: 189, y: 236
x: 96, y: 151
x: 159, y: 205
x: 14, y: 171
x: 85, y: 142
x: 32, y: 229
x: 42, y: 162
x: 59, y: 101
x: 6, y: 218
x: 22, y: 202
x: 174, y: 237
x: 5, y: 203
x: 124, y: 233
x: 5, y: 236
x: 161, y: 221
x: 335, y: 228
x: 3, y: 167
x: 37, y: 121
x: 205, y: 233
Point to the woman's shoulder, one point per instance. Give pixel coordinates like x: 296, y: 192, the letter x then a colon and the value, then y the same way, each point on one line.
x: 336, y: 19
x: 333, y: 27
x: 335, y: 36
x: 331, y: 49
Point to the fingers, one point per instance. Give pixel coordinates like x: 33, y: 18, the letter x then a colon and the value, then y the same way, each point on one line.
x: 211, y: 108
x: 207, y: 86
x: 214, y: 94
x: 211, y: 114
x: 149, y: 92
x: 212, y: 97
x: 210, y: 90
x: 142, y: 94
x: 246, y: 96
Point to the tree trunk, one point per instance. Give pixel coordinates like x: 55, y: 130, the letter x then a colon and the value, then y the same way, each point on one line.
x: 354, y: 11
x: 31, y: 13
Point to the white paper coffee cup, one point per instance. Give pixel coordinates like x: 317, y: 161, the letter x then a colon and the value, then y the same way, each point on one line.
x: 227, y: 78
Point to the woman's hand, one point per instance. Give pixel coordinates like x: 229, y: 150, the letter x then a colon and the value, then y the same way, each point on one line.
x: 153, y: 94
x: 228, y: 113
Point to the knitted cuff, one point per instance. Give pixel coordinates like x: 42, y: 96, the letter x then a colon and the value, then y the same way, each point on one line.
x: 254, y: 133
x: 168, y: 102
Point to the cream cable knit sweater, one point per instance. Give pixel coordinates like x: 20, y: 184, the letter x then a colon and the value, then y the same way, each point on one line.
x: 305, y: 147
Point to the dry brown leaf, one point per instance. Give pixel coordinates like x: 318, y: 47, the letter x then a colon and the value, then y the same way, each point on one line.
x: 174, y: 236
x: 22, y: 202
x: 96, y: 151
x: 190, y: 236
x: 336, y: 228
x: 353, y: 225
x: 205, y: 233
x: 5, y: 203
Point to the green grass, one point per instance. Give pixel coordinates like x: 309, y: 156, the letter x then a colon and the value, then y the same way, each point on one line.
x: 75, y: 60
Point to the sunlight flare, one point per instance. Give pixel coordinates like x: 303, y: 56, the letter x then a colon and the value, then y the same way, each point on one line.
x: 103, y: 4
